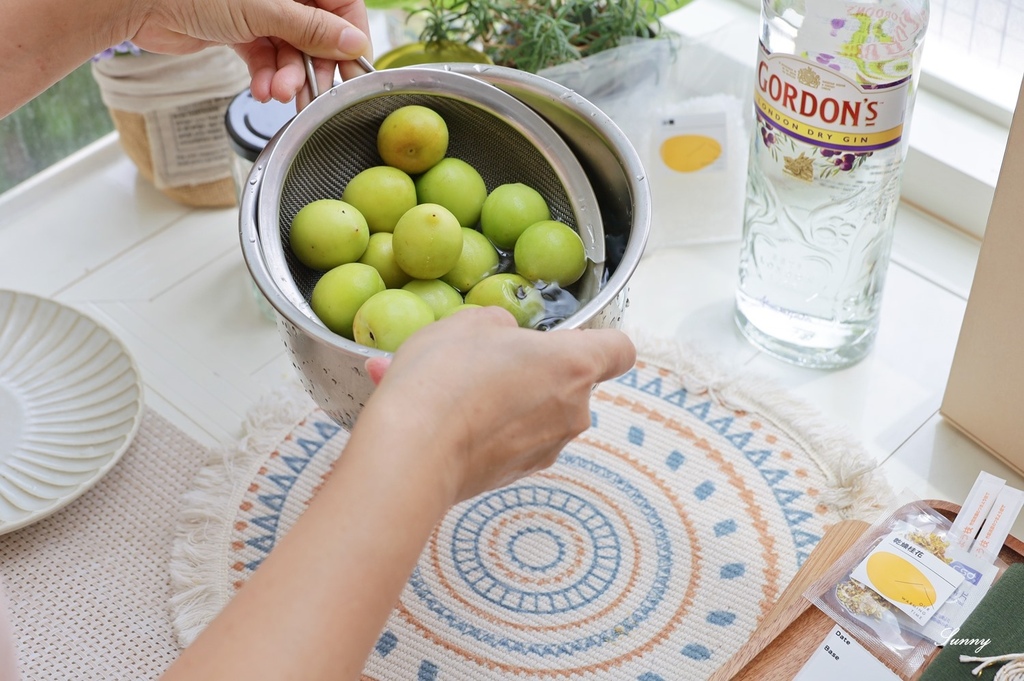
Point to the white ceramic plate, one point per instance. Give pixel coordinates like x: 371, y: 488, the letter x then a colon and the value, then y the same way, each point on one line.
x: 70, y: 404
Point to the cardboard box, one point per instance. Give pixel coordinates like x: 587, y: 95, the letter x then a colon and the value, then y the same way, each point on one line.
x: 985, y: 393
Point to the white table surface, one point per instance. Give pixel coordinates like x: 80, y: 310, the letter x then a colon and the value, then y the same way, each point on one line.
x: 171, y: 283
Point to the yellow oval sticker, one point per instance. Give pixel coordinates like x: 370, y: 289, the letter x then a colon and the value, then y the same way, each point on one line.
x: 899, y: 580
x: 689, y: 153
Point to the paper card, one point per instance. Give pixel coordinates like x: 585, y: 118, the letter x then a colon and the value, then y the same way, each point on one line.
x: 694, y: 142
x: 696, y: 163
x: 909, y: 577
x: 841, y: 658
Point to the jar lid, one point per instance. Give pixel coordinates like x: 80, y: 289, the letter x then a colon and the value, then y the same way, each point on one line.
x: 251, y: 124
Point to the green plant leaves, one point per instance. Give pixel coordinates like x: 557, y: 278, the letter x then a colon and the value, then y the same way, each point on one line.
x: 534, y: 34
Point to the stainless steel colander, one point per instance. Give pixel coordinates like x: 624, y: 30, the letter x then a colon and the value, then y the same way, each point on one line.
x: 334, y: 138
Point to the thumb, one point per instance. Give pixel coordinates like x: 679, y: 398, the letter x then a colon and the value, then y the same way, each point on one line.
x: 313, y: 30
x: 376, y: 367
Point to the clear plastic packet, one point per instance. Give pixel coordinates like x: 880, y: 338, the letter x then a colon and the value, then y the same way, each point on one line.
x: 902, y: 588
x: 979, y: 574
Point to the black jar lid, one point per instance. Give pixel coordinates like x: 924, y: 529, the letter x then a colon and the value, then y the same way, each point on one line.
x: 251, y: 124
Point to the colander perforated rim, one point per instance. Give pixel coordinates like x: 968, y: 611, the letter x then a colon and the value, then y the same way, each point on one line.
x: 270, y: 177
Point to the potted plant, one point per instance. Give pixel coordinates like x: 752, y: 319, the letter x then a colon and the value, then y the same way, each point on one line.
x: 530, y: 34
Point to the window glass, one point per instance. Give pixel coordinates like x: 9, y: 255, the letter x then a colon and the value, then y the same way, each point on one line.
x: 55, y: 124
x: 989, y: 30
x: 977, y: 46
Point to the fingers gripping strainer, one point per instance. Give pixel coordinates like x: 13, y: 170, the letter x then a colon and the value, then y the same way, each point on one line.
x: 334, y: 138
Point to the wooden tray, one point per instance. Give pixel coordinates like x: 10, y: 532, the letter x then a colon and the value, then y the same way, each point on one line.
x: 793, y: 629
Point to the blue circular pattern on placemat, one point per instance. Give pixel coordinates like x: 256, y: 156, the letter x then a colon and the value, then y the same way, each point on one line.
x: 647, y: 552
x: 542, y: 542
x: 565, y: 513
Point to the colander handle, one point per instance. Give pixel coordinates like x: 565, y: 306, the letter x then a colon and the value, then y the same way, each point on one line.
x: 364, y: 62
x: 314, y: 89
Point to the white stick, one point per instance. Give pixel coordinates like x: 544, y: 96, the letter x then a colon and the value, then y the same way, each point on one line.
x: 974, y: 510
x: 998, y: 524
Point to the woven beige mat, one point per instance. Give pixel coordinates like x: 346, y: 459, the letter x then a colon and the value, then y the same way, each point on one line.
x: 648, y: 552
x: 89, y: 586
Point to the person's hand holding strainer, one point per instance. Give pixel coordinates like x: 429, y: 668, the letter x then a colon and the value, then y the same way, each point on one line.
x: 42, y: 43
x: 270, y: 35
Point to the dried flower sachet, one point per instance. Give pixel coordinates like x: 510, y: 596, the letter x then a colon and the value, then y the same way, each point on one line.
x: 890, y: 587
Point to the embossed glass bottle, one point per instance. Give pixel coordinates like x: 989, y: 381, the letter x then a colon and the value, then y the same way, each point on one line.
x: 834, y: 89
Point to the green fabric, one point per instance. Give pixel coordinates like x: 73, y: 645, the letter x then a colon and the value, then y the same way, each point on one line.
x: 998, y: 617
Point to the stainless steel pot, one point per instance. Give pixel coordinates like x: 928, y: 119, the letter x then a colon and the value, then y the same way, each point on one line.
x: 331, y: 367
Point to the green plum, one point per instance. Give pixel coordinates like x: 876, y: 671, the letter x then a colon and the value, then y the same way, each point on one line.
x: 380, y: 255
x: 457, y: 186
x: 412, y: 138
x: 327, y: 233
x: 382, y: 194
x: 438, y: 295
x: 479, y: 259
x: 551, y: 252
x: 510, y: 209
x: 388, y: 318
x: 427, y: 241
x: 341, y: 292
x: 512, y: 292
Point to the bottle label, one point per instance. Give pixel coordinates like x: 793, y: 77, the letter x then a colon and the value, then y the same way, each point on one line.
x: 820, y: 106
x: 874, y: 43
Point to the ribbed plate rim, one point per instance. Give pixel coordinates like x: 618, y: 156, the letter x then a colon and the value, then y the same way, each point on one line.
x: 109, y: 457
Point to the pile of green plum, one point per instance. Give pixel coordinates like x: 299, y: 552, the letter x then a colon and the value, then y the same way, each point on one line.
x: 420, y: 237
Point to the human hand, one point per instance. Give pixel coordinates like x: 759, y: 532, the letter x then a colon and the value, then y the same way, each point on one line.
x: 494, y: 402
x: 270, y: 35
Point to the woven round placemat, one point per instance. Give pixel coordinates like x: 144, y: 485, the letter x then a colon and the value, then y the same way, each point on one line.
x: 649, y: 551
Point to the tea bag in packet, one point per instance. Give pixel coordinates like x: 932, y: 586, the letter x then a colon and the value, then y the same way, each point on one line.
x: 978, y: 574
x: 888, y: 587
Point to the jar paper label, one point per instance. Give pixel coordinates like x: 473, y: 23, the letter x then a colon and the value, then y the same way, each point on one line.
x: 189, y: 144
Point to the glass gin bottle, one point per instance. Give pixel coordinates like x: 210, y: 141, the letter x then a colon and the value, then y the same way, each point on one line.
x: 834, y: 89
